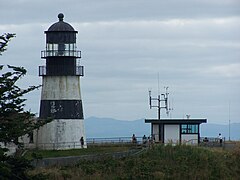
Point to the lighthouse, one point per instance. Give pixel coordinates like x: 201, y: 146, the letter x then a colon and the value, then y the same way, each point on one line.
x: 61, y: 94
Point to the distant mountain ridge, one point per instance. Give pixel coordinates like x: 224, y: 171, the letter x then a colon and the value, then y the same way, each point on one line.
x: 107, y: 127
x: 212, y: 130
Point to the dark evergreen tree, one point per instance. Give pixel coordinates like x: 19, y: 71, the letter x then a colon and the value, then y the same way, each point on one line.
x: 14, y: 120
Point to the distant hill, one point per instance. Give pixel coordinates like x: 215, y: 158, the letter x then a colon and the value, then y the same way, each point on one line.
x: 212, y: 130
x: 107, y: 127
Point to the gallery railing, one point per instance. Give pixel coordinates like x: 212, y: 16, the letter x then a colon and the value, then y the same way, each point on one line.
x: 79, y: 71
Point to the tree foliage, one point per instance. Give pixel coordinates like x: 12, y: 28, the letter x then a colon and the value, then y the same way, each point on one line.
x: 14, y: 120
x: 4, y: 39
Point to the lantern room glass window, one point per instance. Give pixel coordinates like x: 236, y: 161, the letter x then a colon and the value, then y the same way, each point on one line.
x: 68, y: 47
x: 61, y: 49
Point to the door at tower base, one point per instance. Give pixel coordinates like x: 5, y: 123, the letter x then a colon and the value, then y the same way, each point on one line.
x: 61, y: 134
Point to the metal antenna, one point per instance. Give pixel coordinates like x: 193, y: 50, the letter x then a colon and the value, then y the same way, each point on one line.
x: 166, y: 100
x: 170, y: 108
x: 229, y: 121
x: 150, y: 98
x: 158, y: 84
x: 162, y: 101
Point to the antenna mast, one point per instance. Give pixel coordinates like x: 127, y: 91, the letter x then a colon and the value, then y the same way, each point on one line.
x: 229, y: 121
x: 162, y: 101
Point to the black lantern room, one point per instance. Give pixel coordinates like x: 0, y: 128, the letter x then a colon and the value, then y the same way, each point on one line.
x: 61, y: 54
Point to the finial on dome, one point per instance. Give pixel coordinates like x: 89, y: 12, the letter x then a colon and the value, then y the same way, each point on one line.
x: 60, y: 16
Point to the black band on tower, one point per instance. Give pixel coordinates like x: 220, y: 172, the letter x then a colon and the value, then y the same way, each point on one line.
x: 61, y: 109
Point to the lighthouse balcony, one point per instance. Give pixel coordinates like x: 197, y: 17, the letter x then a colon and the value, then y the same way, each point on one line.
x: 57, y: 53
x: 61, y: 71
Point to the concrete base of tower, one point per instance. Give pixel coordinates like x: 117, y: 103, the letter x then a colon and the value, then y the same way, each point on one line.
x: 61, y: 134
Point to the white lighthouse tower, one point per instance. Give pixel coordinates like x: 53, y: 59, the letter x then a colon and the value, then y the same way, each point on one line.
x: 61, y: 95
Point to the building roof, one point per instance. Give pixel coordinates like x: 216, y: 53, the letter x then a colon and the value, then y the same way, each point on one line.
x: 176, y: 121
x: 61, y: 25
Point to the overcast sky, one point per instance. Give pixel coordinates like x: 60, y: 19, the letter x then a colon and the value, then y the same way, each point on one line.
x: 193, y: 45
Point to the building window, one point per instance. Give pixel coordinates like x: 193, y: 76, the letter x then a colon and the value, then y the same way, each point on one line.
x: 189, y: 128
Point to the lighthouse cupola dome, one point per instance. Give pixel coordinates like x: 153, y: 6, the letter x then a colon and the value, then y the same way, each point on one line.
x: 61, y: 32
x: 61, y: 25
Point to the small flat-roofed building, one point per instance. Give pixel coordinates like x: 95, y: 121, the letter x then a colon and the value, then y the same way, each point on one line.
x: 176, y: 131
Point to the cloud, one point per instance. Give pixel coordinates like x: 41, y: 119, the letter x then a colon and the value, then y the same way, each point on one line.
x: 194, y: 46
x: 108, y: 10
x: 228, y: 70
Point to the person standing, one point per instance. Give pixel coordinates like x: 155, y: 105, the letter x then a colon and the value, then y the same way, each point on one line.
x: 82, y: 142
x: 144, y: 139
x: 220, y: 138
x: 134, y: 139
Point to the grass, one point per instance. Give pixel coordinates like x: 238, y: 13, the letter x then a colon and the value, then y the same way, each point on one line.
x: 31, y: 154
x: 160, y: 162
